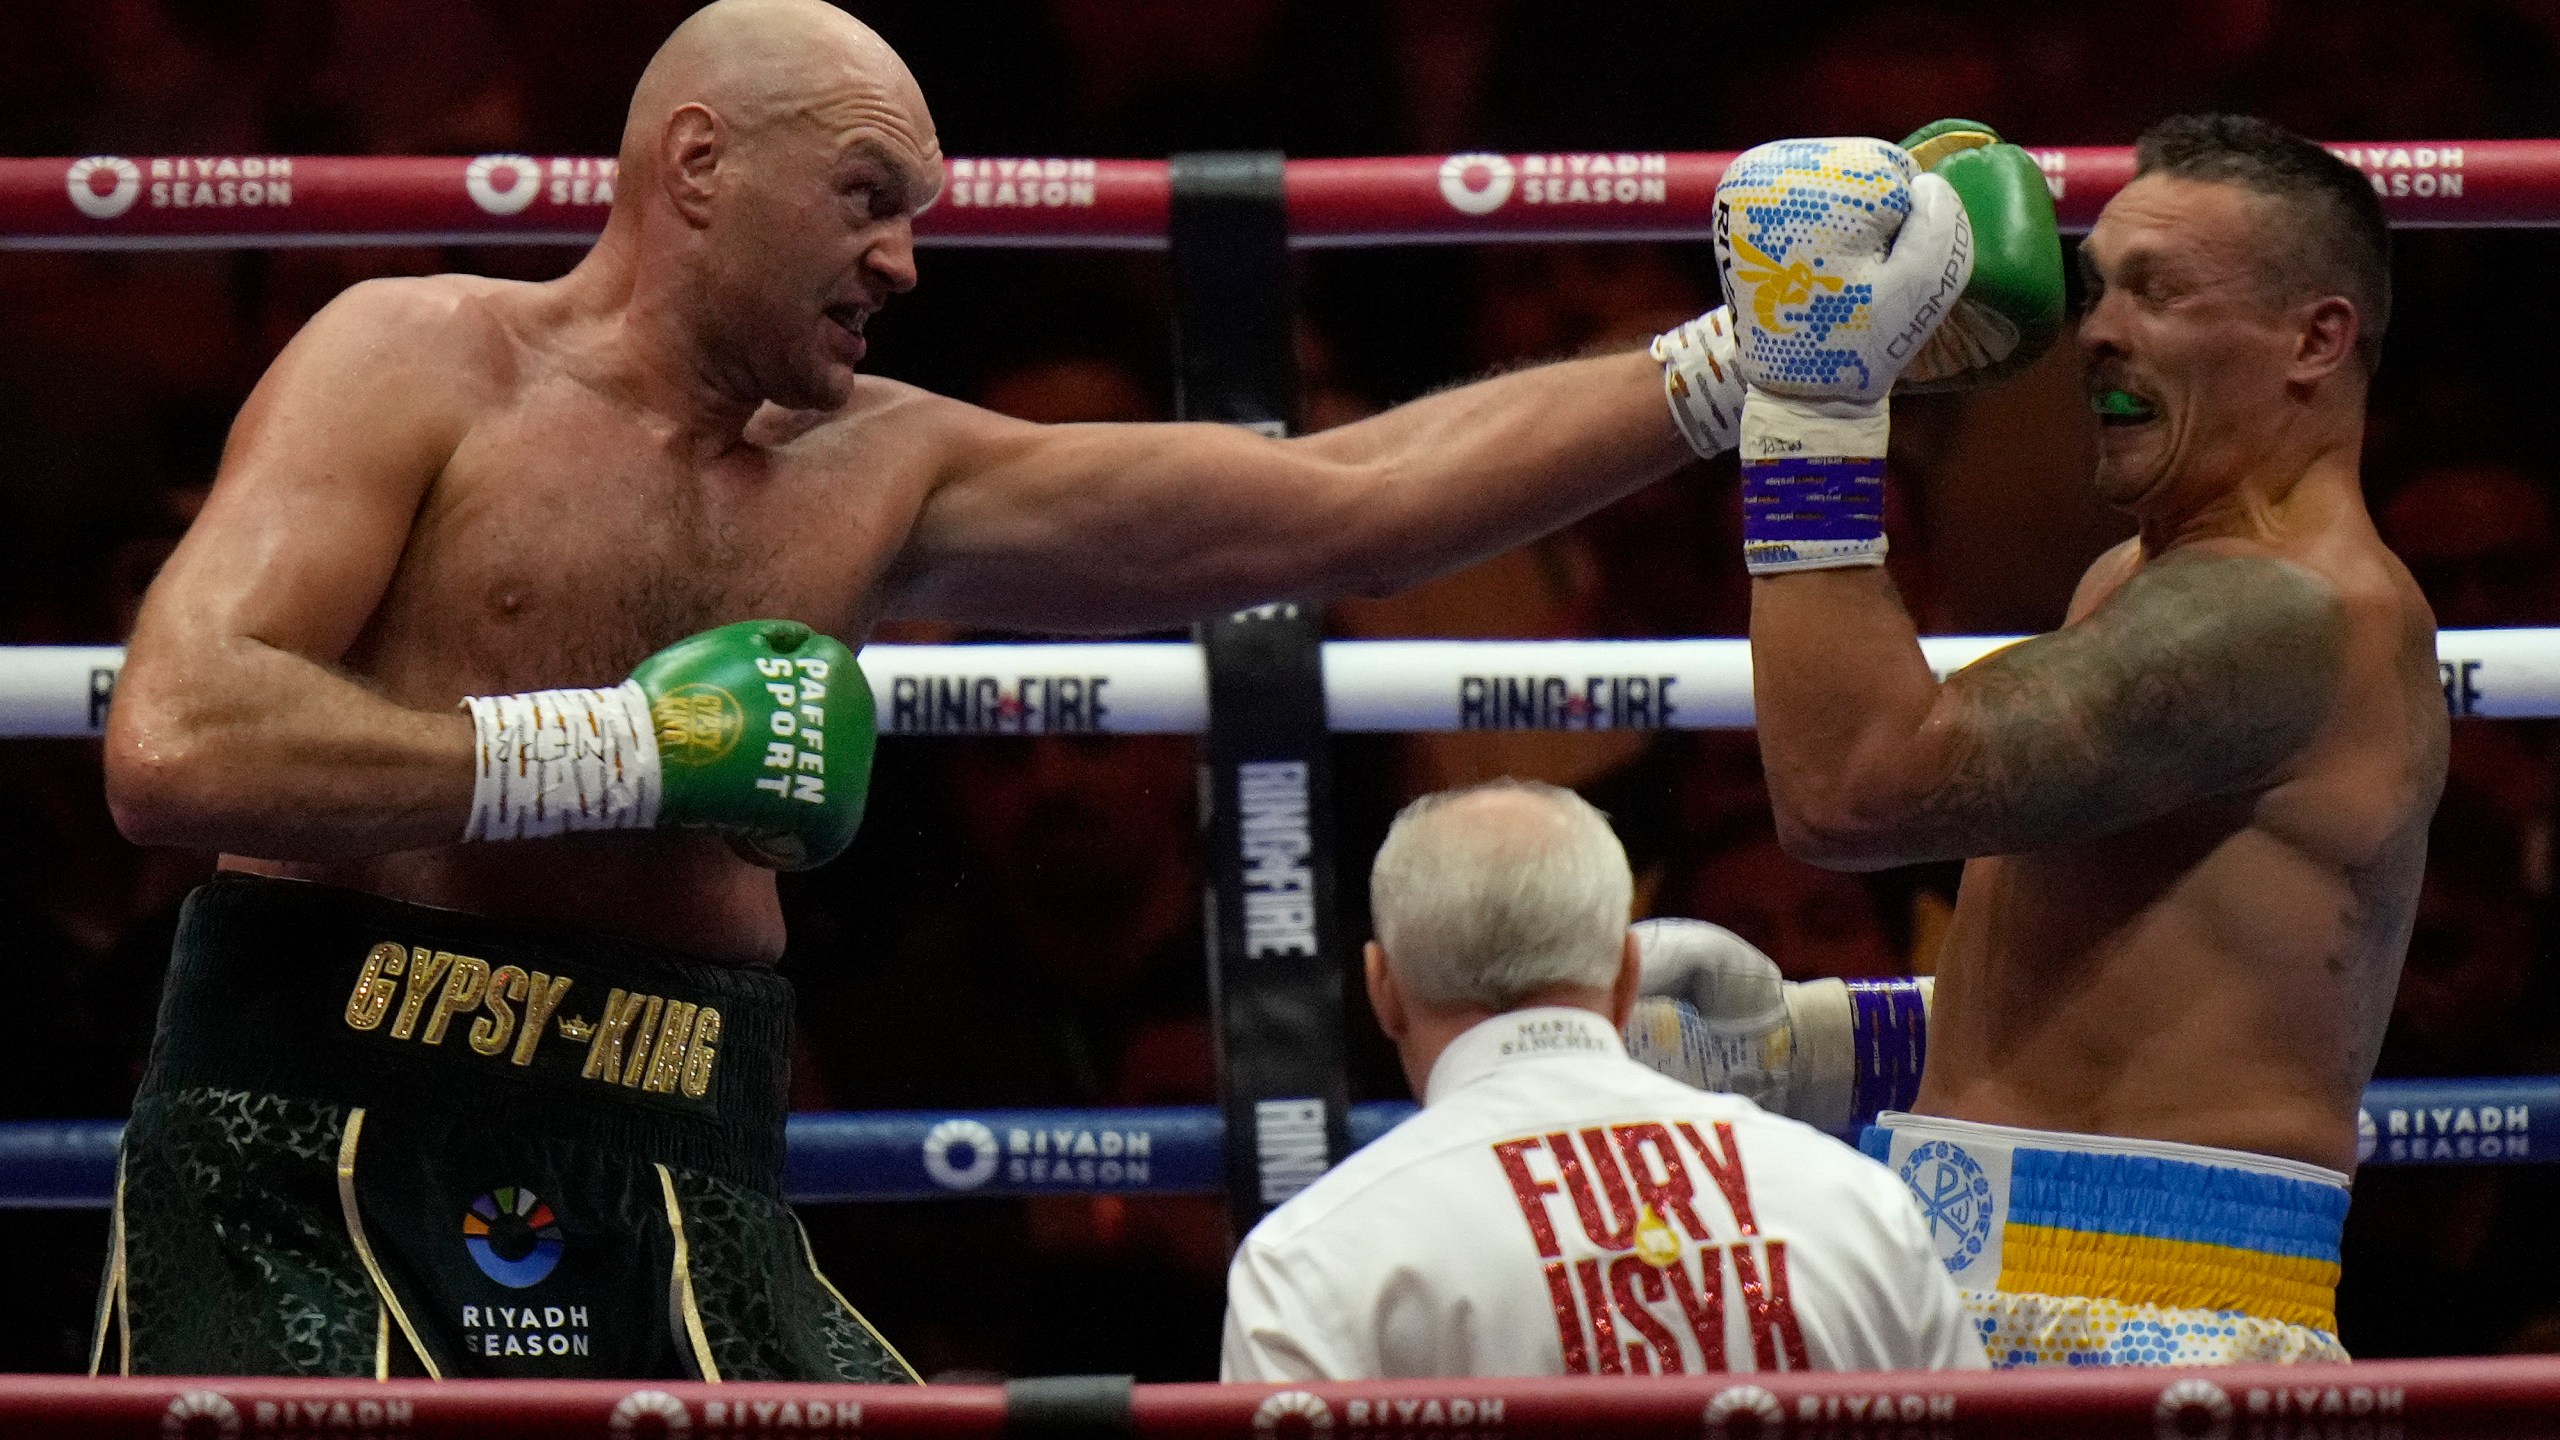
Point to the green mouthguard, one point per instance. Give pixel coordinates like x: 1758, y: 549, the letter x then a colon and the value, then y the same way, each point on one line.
x: 2118, y: 404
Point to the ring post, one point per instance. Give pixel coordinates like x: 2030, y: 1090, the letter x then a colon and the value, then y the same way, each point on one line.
x: 1071, y: 1407
x: 1275, y: 954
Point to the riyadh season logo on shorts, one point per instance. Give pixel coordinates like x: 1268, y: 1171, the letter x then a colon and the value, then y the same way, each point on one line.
x: 513, y: 1237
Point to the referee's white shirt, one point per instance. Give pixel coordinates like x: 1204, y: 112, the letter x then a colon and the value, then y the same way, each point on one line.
x: 1557, y: 1208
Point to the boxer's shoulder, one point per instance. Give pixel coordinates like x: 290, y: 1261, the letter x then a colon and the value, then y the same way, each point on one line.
x: 894, y: 435
x: 434, y: 336
x: 2261, y: 631
x: 894, y: 427
x: 2335, y: 583
x: 874, y: 401
x: 2369, y: 579
x: 451, y: 308
x: 2105, y: 575
x: 388, y: 378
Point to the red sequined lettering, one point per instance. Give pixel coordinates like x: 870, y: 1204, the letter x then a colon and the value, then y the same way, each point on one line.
x: 1607, y: 1233
x: 1529, y: 1190
x: 1771, y: 1309
x: 1577, y: 1356
x: 1604, y: 1330
x: 1726, y: 1170
x: 1668, y: 1195
x: 1702, y: 1303
x: 1629, y: 1274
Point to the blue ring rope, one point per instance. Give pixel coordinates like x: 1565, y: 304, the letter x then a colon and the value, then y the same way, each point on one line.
x: 1175, y: 1149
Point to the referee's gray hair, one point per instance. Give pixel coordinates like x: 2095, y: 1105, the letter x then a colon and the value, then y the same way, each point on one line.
x: 1483, y: 906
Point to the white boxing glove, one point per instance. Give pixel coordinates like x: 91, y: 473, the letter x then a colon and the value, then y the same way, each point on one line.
x: 1712, y: 1012
x: 1715, y: 1013
x: 1839, y: 259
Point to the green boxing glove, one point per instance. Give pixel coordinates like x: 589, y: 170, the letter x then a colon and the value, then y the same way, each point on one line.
x: 762, y: 730
x: 2011, y: 312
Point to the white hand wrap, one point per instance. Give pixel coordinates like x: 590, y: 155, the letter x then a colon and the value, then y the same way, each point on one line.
x: 562, y: 760
x: 1702, y: 381
x: 1812, y: 483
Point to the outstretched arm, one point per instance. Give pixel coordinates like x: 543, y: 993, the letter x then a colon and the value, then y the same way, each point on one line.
x: 2201, y: 676
x: 1102, y: 527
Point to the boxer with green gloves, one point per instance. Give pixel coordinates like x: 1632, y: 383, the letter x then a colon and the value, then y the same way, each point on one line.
x: 761, y: 729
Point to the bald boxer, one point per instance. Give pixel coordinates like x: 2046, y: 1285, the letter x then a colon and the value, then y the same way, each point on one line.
x: 2193, y: 818
x: 496, y: 668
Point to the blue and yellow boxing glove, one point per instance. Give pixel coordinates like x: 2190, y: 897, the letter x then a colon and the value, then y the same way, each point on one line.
x: 1839, y: 259
x: 2010, y: 315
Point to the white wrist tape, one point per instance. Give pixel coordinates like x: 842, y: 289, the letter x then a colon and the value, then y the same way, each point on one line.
x: 560, y: 760
x: 1812, y: 482
x: 1854, y: 1049
x: 1702, y: 382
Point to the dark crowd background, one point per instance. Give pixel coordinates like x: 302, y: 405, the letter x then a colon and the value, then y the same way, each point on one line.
x: 1019, y: 923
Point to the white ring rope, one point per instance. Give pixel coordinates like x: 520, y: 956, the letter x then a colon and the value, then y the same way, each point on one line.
x: 1371, y: 686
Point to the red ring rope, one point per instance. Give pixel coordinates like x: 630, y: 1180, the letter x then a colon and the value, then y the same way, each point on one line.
x: 147, y: 202
x: 2406, y: 1399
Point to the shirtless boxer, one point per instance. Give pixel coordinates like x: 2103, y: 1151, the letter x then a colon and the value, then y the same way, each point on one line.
x: 2194, y: 818
x: 425, y: 1102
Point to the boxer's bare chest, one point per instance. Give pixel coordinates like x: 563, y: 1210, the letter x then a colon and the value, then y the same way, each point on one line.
x: 569, y: 537
x: 2220, y: 973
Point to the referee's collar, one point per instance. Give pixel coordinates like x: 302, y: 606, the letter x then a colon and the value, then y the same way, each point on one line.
x: 1543, y: 1032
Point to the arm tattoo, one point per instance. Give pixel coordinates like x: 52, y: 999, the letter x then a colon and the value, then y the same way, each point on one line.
x: 2199, y: 678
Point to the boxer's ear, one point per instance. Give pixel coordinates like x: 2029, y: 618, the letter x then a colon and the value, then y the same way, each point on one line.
x: 689, y: 153
x: 2324, y: 338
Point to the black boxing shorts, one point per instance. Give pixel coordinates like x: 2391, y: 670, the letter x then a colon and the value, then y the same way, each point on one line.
x: 383, y: 1139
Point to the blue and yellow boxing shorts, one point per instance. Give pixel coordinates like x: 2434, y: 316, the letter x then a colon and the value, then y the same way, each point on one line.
x: 2094, y: 1250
